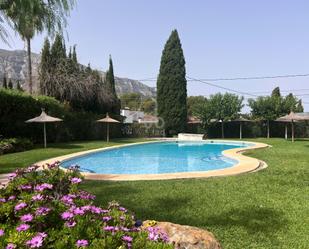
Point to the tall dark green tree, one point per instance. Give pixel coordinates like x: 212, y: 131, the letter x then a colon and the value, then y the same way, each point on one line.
x: 110, y: 78
x: 4, y: 82
x: 172, y: 87
x: 74, y: 56
x: 276, y: 92
x: 45, y: 68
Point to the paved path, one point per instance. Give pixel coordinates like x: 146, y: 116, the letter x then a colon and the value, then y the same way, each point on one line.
x: 3, y: 179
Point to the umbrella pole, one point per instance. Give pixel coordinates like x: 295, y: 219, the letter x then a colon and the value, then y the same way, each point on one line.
x: 107, y: 133
x: 292, y: 131
x: 286, y: 132
x: 44, y: 124
x: 240, y: 131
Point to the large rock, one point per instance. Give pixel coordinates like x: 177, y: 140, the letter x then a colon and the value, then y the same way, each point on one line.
x: 187, y: 237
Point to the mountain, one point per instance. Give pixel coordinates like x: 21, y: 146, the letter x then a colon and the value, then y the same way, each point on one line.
x: 14, y: 64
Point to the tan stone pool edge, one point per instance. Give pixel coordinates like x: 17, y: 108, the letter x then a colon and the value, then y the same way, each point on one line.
x: 244, y: 164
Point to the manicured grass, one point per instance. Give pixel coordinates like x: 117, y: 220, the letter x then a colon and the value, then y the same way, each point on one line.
x: 266, y: 209
x: 9, y: 162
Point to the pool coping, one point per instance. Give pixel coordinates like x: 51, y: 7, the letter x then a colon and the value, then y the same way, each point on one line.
x: 244, y: 163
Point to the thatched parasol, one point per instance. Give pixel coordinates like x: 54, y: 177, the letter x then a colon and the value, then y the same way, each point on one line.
x: 292, y: 117
x: 108, y: 120
x: 241, y: 120
x: 44, y: 118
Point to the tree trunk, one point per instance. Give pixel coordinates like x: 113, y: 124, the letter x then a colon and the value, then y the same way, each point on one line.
x: 222, y: 129
x: 29, y: 64
x: 268, y: 132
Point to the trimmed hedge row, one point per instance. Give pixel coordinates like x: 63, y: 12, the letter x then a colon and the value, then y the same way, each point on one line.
x: 16, y: 107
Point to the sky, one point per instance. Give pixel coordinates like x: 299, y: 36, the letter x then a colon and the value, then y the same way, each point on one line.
x: 220, y: 39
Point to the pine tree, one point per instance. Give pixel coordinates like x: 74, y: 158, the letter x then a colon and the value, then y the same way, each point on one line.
x: 44, y: 69
x: 276, y: 92
x: 4, y: 82
x: 110, y: 78
x: 10, y: 84
x: 172, y: 87
x: 58, y: 52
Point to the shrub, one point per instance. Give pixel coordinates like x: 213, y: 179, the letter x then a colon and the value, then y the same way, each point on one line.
x: 46, y: 209
x: 11, y: 145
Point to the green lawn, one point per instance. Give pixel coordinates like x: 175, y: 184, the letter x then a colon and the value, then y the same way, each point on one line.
x: 268, y: 209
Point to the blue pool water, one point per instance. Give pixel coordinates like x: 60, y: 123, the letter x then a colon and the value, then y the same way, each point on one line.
x: 157, y: 158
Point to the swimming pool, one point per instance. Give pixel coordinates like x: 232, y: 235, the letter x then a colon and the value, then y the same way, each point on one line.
x: 157, y: 158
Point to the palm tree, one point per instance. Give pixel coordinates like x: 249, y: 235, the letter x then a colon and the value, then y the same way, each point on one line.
x: 29, y: 17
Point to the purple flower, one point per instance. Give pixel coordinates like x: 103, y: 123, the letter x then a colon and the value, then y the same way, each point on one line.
x: 75, y: 180
x: 109, y: 228
x: 85, y: 195
x: 12, y: 197
x: 20, y: 206
x: 86, y: 208
x: 25, y: 187
x: 12, y: 176
x: 70, y: 223
x: 36, y: 241
x: 2, y: 200
x: 127, y: 239
x: 68, y: 199
x: 42, y: 211
x: 26, y: 218
x: 43, y: 186
x: 1, y: 232
x: 37, y: 197
x: 104, y: 211
x: 78, y: 211
x: 123, y: 209
x: 82, y: 243
x: 122, y: 218
x: 10, y: 246
x: 96, y: 210
x: 67, y: 215
x: 22, y: 227
x: 107, y: 218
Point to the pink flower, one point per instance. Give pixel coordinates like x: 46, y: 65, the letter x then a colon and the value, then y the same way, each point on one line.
x: 22, y: 227
x: 70, y: 223
x: 67, y: 215
x: 10, y: 246
x: 109, y: 228
x: 37, y: 197
x: 68, y: 199
x: 78, y: 211
x: 2, y: 200
x: 12, y: 176
x: 96, y: 210
x: 1, y: 232
x: 26, y: 218
x: 42, y: 211
x: 82, y: 243
x: 20, y: 206
x: 36, y: 241
x: 127, y: 239
x: 43, y: 186
x: 107, y: 218
x: 75, y: 180
x: 26, y: 187
x: 12, y: 197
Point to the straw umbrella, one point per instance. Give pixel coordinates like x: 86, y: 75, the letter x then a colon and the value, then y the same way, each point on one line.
x: 241, y: 120
x: 292, y: 117
x: 108, y: 120
x: 44, y: 118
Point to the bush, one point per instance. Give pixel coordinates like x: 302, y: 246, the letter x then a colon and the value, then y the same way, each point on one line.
x: 46, y: 209
x: 15, y: 145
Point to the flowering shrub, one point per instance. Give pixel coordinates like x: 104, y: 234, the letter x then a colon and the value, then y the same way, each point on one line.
x: 46, y: 209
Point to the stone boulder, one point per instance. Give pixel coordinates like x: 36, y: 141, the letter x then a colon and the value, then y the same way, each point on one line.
x: 187, y: 237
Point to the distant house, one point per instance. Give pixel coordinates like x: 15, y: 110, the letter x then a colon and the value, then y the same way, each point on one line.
x: 131, y: 116
x: 148, y: 119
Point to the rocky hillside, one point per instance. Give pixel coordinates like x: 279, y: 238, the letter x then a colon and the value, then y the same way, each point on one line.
x: 13, y: 63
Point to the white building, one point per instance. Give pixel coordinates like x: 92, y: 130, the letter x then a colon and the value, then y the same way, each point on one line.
x: 132, y: 116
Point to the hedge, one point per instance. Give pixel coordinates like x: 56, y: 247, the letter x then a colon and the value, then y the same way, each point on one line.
x: 16, y: 107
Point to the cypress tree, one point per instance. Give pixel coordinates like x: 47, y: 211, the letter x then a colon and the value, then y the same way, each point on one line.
x: 58, y: 52
x: 74, y: 56
x: 4, y: 82
x: 172, y: 87
x: 276, y: 92
x: 110, y: 79
x: 44, y: 68
x: 10, y: 84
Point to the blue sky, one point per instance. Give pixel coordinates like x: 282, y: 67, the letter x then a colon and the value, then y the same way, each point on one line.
x: 221, y: 39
